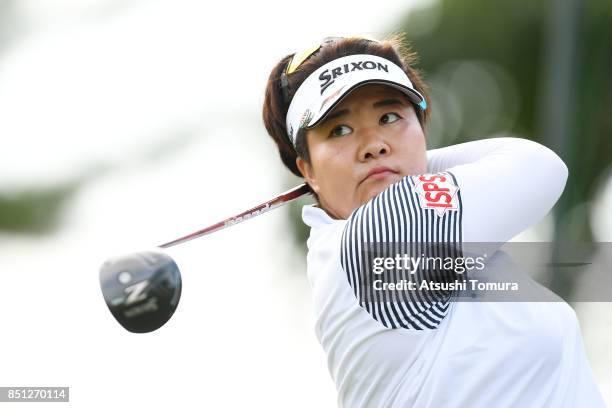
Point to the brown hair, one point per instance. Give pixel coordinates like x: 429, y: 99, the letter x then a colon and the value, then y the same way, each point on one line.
x: 276, y: 104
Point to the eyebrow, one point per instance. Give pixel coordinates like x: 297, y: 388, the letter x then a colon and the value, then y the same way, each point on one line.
x: 386, y: 102
x: 335, y: 115
x: 378, y: 104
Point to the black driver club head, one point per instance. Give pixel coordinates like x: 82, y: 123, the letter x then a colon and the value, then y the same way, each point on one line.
x: 142, y: 290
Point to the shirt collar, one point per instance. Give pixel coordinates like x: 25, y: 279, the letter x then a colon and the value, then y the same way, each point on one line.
x: 316, y: 217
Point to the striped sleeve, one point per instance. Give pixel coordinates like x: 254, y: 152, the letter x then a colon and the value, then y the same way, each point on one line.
x: 419, y: 215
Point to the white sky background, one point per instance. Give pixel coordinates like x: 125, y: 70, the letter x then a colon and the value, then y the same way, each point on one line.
x: 98, y: 82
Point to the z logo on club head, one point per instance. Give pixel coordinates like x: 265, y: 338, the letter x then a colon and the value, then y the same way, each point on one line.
x: 136, y: 292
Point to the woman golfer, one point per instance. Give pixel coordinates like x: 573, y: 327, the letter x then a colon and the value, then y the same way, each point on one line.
x: 349, y: 116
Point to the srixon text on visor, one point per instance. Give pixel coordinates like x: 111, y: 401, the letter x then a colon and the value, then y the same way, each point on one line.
x: 328, y: 76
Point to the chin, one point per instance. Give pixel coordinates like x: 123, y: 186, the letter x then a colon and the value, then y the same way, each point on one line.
x: 377, y: 189
x: 378, y: 186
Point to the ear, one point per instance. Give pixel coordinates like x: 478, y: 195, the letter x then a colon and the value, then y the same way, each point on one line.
x: 308, y: 173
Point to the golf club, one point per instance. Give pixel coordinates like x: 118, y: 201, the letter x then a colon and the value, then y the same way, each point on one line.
x: 142, y: 290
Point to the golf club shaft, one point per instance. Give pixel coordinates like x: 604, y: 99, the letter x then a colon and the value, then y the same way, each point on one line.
x: 283, y: 198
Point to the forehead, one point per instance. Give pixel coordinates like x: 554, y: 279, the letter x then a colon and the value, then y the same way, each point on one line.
x: 370, y: 93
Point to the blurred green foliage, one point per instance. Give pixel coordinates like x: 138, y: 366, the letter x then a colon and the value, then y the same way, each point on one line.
x: 300, y: 230
x: 511, y: 36
x: 33, y: 211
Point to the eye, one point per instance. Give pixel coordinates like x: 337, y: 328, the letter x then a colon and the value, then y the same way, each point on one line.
x: 340, y: 130
x: 389, y: 118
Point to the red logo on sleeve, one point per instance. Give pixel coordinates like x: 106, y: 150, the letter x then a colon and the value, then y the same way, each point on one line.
x: 437, y: 192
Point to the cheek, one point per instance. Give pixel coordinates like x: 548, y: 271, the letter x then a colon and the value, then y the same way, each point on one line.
x: 332, y: 160
x: 415, y: 148
x: 334, y: 172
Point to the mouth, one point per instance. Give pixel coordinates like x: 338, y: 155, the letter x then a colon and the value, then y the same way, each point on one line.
x: 378, y: 173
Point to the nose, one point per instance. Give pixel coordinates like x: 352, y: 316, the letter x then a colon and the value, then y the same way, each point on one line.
x: 373, y: 145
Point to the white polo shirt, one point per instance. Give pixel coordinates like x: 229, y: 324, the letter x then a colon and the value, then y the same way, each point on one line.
x: 445, y: 353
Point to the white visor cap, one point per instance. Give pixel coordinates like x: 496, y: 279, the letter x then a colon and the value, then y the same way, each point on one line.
x: 326, y: 87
